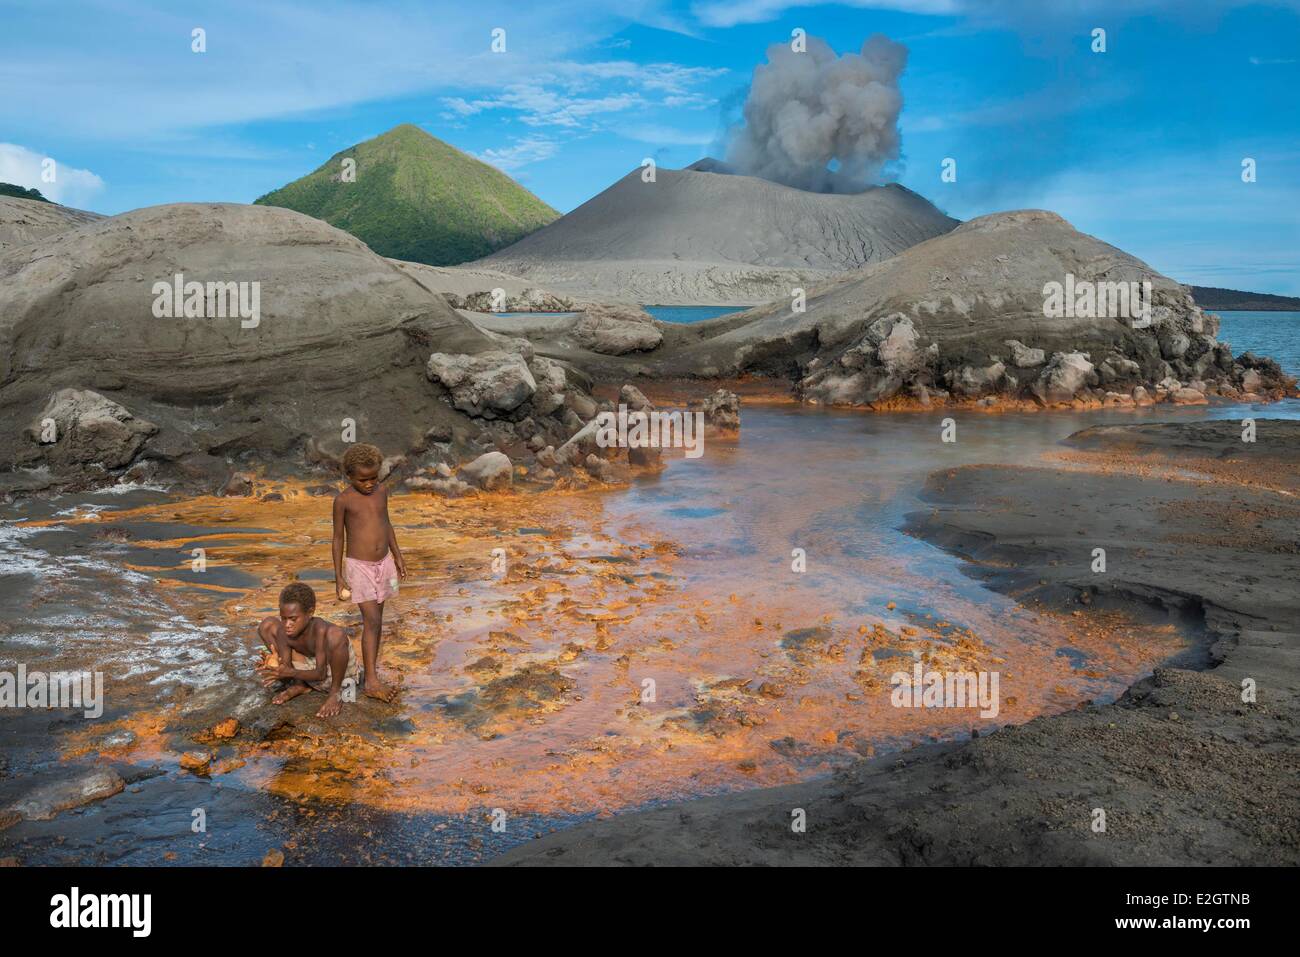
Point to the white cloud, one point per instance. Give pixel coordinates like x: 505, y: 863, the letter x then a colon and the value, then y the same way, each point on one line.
x: 530, y: 149
x: 571, y: 94
x: 62, y: 184
x: 111, y: 77
x: 665, y: 135
x: 728, y: 13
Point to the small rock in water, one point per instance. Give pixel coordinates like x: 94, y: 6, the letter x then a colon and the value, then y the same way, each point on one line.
x: 196, y: 761
x: 274, y: 858
x: 117, y: 739
x: 722, y: 410
x: 46, y: 801
x: 226, y: 729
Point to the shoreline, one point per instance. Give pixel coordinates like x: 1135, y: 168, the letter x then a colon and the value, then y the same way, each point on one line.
x: 18, y: 484
x: 1190, y: 774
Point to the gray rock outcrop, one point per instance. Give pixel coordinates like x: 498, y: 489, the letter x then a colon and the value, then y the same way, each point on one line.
x: 340, y: 334
x: 83, y: 429
x: 486, y: 384
x: 970, y: 315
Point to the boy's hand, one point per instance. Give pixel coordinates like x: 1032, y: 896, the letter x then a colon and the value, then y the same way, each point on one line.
x: 278, y: 670
x: 339, y: 585
x: 401, y: 567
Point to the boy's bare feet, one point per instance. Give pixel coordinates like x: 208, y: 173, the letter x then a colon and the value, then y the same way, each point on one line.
x: 332, y: 706
x: 374, y: 688
x: 289, y: 693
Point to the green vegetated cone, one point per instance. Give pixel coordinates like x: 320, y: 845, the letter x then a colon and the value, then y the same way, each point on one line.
x: 417, y: 198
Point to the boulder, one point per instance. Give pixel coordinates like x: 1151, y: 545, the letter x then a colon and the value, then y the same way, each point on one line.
x: 1022, y: 357
x: 487, y: 384
x: 1064, y: 376
x: 552, y: 382
x: 722, y: 410
x: 599, y: 468
x: 1118, y: 369
x: 1187, y: 396
x: 644, y: 458
x: 583, y: 405
x: 634, y: 399
x: 979, y: 382
x: 898, y: 344
x: 583, y: 441
x: 1173, y: 344
x: 239, y: 484
x: 447, y: 487
x: 491, y: 472
x: 80, y: 428
x: 616, y: 330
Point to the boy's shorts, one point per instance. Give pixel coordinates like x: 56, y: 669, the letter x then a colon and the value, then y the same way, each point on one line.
x: 352, y: 674
x: 371, y: 581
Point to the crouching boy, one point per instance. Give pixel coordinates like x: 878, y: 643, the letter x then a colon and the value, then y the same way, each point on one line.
x: 312, y: 653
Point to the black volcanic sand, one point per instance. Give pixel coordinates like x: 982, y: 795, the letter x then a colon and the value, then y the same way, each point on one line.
x: 1186, y: 772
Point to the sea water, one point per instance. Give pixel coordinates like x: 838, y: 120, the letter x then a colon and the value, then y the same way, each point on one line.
x: 1272, y: 334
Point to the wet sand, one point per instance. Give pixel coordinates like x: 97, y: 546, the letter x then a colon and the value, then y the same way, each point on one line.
x: 1199, y: 528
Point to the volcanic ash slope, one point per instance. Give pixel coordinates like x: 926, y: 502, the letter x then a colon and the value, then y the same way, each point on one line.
x: 696, y: 237
x: 961, y: 317
x: 342, y: 334
x: 28, y: 220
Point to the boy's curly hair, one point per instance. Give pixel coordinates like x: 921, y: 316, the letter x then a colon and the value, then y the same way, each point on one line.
x: 360, y: 456
x: 300, y: 594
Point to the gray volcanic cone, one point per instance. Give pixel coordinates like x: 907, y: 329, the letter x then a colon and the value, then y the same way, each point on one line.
x: 697, y: 236
x: 342, y: 334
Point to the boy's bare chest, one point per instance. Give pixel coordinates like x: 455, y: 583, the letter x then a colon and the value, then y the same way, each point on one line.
x: 367, y: 507
x: 305, y: 644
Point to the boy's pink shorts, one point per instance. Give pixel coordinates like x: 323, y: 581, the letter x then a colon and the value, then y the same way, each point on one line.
x: 371, y: 581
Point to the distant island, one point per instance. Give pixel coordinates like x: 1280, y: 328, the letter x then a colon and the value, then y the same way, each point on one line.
x: 1215, y: 299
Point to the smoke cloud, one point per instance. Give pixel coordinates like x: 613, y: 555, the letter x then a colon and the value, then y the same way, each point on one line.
x: 811, y: 110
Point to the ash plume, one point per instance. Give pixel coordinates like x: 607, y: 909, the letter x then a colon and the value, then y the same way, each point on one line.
x: 808, y: 110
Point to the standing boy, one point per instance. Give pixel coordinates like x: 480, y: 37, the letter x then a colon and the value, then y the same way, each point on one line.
x: 369, y: 573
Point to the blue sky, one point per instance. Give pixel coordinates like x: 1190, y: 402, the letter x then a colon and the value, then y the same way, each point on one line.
x: 1141, y: 145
